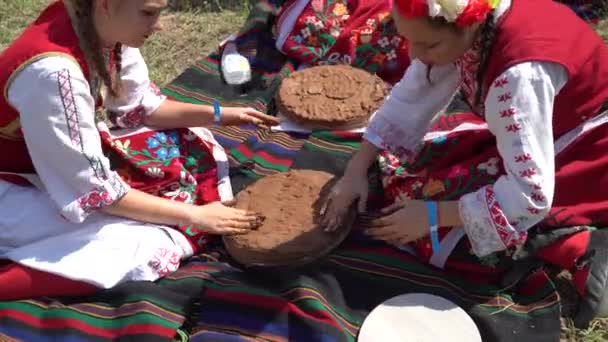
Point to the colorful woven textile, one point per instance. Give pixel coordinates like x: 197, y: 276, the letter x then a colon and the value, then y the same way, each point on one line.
x: 213, y: 301
x: 329, y: 301
x: 139, y: 311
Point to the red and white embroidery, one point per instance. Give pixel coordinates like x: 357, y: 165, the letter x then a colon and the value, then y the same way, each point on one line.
x: 522, y: 158
x: 528, y: 173
x: 505, y: 97
x: 467, y: 66
x: 95, y: 199
x: 165, y: 261
x: 507, y: 113
x: 499, y: 220
x: 513, y: 128
x: 501, y: 82
x: 538, y: 198
x: 507, y: 233
x: 131, y: 119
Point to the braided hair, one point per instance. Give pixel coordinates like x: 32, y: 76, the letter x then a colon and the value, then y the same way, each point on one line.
x: 488, y: 35
x: 92, y: 48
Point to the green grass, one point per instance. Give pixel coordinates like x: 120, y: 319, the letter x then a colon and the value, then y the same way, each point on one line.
x: 193, y: 28
x: 186, y: 36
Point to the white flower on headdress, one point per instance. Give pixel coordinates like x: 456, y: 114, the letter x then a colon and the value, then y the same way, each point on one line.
x: 448, y: 9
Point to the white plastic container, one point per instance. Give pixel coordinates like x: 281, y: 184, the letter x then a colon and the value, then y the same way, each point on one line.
x: 235, y: 67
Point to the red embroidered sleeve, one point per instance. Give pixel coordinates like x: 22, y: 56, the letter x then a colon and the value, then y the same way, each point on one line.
x: 519, y: 108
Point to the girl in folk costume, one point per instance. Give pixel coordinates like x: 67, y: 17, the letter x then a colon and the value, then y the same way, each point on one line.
x: 356, y: 32
x: 69, y: 222
x: 521, y: 163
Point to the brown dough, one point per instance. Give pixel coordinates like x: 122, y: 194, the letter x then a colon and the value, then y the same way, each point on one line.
x: 290, y: 202
x: 330, y: 97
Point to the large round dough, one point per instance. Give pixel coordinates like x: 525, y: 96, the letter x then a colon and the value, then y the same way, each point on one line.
x: 291, y: 203
x: 330, y: 97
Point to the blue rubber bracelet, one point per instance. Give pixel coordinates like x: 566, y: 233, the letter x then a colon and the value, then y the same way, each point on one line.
x: 432, y: 211
x: 217, y: 113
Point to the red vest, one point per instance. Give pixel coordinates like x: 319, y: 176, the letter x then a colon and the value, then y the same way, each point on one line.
x: 51, y: 34
x: 546, y: 31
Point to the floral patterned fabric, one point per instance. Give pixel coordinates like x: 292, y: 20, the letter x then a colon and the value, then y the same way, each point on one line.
x: 500, y: 162
x: 178, y: 164
x: 455, y: 162
x: 356, y: 32
x: 444, y: 168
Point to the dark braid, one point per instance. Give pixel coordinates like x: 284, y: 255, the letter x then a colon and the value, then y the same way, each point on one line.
x: 118, y: 66
x: 91, y: 43
x: 488, y: 34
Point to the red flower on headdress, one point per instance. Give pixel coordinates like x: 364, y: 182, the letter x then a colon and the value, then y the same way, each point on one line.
x: 475, y: 12
x: 411, y: 8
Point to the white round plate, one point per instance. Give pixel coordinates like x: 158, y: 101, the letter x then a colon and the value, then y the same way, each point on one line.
x: 418, y: 317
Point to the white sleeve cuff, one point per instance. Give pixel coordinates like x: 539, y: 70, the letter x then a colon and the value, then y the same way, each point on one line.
x: 107, y: 193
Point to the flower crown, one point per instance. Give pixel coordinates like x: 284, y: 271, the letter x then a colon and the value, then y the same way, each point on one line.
x: 460, y: 12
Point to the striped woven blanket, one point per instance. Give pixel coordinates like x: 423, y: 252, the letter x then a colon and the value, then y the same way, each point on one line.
x: 329, y: 301
x: 209, y: 300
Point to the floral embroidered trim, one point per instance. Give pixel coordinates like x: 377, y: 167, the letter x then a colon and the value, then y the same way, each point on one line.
x: 509, y: 236
x: 102, y: 195
x: 478, y: 225
x: 95, y: 199
x: 165, y: 261
x: 486, y: 225
x: 131, y: 119
x: 467, y: 66
x: 524, y: 168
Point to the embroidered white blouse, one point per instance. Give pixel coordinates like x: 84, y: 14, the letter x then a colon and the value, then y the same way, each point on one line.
x: 57, y: 113
x: 518, y: 111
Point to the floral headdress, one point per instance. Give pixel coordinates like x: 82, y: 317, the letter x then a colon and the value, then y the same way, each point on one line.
x: 463, y: 13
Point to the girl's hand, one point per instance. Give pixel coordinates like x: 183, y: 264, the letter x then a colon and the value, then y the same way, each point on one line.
x: 400, y: 223
x: 233, y: 116
x: 218, y: 218
x: 347, y: 190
